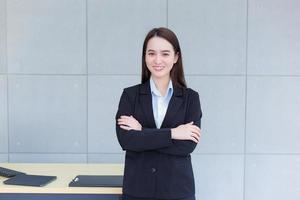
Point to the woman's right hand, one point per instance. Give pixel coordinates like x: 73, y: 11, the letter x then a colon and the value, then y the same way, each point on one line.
x: 186, y: 132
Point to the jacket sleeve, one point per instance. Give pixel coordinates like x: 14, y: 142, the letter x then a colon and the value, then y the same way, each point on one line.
x: 146, y: 139
x: 194, y: 113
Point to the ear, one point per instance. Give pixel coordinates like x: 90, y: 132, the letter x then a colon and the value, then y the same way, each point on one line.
x: 176, y: 58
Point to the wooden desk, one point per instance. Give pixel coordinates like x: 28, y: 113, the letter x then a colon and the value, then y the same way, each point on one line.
x: 59, y: 188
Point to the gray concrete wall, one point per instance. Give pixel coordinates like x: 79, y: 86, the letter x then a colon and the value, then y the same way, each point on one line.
x: 64, y: 63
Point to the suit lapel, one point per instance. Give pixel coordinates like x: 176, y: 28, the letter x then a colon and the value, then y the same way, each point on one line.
x: 173, y: 107
x: 146, y: 103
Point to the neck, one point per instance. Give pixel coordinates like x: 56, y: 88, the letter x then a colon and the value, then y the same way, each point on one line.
x: 162, y: 84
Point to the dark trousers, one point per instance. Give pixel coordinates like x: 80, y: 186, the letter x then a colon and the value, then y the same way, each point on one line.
x: 126, y: 197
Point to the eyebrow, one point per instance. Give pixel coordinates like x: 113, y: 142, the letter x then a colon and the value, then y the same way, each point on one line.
x: 168, y: 51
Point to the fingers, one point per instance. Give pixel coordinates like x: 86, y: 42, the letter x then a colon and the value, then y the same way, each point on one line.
x: 123, y: 117
x: 125, y: 120
x: 193, y: 128
x: 125, y: 127
x: 127, y: 117
x: 196, y: 131
x: 194, y: 137
x: 191, y: 124
x: 194, y: 140
x: 124, y: 124
x: 129, y: 123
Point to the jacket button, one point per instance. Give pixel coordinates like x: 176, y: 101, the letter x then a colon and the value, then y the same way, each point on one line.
x: 153, y: 170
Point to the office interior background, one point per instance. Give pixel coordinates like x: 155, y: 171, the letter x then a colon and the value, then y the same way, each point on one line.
x: 64, y: 63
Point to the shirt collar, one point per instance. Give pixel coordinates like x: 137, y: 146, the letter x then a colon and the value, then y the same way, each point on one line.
x: 155, y: 91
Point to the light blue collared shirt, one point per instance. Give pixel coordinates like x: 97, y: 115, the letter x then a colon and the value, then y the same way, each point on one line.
x: 160, y: 103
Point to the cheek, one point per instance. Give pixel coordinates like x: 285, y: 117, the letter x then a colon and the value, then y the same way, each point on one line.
x: 170, y: 63
x: 148, y: 63
x: 148, y: 59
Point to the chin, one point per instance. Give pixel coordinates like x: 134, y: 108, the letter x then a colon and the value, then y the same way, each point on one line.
x: 159, y: 75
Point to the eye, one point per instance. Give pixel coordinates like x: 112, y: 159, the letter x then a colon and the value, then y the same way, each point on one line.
x: 150, y: 54
x: 166, y: 54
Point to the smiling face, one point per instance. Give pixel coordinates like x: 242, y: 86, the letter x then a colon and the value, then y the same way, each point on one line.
x: 160, y: 57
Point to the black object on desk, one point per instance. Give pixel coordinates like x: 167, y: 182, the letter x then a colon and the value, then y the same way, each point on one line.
x: 30, y: 180
x: 96, y: 181
x: 9, y: 172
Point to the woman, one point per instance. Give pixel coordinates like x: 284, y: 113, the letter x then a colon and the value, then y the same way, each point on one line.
x: 158, y: 124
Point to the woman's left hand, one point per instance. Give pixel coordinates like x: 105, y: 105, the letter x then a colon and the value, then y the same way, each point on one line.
x: 129, y: 123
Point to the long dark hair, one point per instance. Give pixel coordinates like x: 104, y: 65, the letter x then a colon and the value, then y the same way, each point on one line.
x: 176, y: 74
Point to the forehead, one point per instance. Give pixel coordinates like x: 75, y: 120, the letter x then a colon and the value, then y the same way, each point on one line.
x: 159, y: 44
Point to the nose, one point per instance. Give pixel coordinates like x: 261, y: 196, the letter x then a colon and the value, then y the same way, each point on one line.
x: 157, y: 59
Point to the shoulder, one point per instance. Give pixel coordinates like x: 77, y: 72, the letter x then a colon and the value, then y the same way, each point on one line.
x: 191, y: 93
x: 192, y: 96
x: 132, y: 89
x: 142, y: 88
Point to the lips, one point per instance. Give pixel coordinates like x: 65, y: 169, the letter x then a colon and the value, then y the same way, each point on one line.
x: 158, y: 68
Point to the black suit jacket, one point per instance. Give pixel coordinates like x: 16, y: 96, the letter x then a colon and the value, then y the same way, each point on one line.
x: 155, y: 165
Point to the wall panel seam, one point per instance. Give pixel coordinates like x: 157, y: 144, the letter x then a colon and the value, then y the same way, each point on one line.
x: 7, y: 80
x: 87, y: 80
x: 246, y: 81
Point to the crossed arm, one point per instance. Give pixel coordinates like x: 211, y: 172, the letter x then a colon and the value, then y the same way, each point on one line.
x: 187, y: 131
x: 180, y: 141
